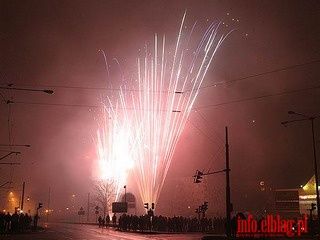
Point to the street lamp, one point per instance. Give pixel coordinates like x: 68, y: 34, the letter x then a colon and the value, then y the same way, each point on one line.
x: 311, y: 119
x: 15, y: 145
x: 48, y: 91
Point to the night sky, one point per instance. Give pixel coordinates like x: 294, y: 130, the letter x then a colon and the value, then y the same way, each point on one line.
x: 267, y: 66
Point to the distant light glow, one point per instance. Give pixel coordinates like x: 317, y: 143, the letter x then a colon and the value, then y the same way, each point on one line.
x: 304, y: 197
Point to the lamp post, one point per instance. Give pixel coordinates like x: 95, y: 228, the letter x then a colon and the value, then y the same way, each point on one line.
x: 311, y: 119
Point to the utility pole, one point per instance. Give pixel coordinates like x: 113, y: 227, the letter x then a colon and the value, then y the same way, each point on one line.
x: 311, y: 119
x: 198, y: 177
x: 48, y: 210
x: 228, y: 202
x: 22, y: 198
x: 88, y: 207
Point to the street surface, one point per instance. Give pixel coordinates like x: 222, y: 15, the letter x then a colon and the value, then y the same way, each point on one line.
x: 64, y: 231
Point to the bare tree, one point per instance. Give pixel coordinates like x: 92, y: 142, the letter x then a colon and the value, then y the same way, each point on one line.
x: 104, y: 195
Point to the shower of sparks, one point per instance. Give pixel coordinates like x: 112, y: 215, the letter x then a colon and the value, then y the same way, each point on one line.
x: 148, y: 120
x: 113, y: 154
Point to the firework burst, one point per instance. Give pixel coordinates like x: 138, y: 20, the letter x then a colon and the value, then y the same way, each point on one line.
x: 150, y: 117
x: 113, y: 153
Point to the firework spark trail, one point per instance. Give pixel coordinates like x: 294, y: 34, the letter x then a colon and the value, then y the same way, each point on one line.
x: 113, y: 153
x: 154, y: 116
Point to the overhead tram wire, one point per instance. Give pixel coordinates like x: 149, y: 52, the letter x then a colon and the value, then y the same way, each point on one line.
x: 84, y: 88
x: 137, y: 90
x: 213, y: 85
x: 221, y: 148
x: 211, y: 140
x: 87, y: 106
x: 195, y: 108
x: 258, y: 97
x: 221, y: 139
x: 59, y: 104
x: 214, y: 157
x: 258, y: 75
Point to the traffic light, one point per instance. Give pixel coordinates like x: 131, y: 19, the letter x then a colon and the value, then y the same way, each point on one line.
x: 197, y: 177
x: 313, y: 206
x: 146, y: 205
x: 40, y: 205
x: 152, y: 206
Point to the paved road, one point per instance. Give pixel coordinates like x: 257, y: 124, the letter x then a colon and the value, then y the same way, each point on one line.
x: 60, y: 231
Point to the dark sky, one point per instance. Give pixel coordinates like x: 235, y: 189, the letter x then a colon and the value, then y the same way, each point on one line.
x: 267, y: 66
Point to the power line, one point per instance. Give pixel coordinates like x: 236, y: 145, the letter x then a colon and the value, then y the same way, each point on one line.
x: 82, y: 88
x: 61, y: 104
x: 220, y: 138
x: 259, y: 74
x: 92, y: 106
x: 195, y: 108
x: 205, y: 134
x: 201, y: 88
x: 258, y: 97
x: 215, y: 157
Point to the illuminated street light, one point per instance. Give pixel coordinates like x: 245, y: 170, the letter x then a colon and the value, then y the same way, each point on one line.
x: 311, y: 119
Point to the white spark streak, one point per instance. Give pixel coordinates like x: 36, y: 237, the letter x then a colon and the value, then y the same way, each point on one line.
x: 147, y: 122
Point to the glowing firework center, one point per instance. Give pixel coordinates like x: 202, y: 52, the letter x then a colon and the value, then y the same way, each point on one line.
x: 148, y: 120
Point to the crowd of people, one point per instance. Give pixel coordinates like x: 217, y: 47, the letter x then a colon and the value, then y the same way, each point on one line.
x: 16, y: 222
x: 165, y: 224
